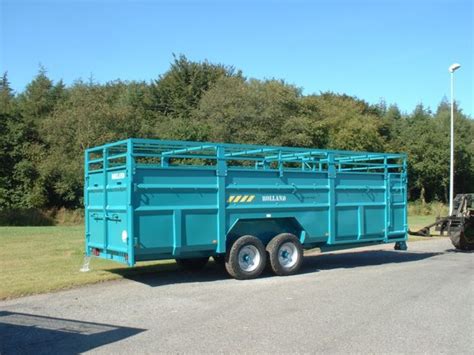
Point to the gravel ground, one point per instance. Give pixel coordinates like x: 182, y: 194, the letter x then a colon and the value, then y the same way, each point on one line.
x: 371, y: 300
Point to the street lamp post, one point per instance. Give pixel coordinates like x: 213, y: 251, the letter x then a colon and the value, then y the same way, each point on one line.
x: 452, y: 69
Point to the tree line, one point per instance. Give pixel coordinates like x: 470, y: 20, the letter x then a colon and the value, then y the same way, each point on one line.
x: 45, y: 129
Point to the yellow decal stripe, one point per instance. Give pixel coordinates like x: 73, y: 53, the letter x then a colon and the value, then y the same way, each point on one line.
x: 244, y: 198
x: 231, y: 198
x: 237, y: 198
x: 250, y: 199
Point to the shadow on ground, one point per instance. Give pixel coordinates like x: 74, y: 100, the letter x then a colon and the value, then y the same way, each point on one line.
x: 22, y: 333
x: 161, y: 275
x: 460, y: 251
x: 362, y: 258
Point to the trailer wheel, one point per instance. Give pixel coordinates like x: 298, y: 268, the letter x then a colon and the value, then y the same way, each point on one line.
x: 192, y: 264
x: 285, y: 254
x: 246, y: 258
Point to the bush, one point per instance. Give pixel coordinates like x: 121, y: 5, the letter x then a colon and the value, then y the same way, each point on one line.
x: 25, y: 217
x: 68, y: 217
x: 37, y: 217
x: 436, y: 208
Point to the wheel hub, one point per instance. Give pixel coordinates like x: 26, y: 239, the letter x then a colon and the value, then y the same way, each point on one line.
x: 249, y: 258
x: 288, y: 255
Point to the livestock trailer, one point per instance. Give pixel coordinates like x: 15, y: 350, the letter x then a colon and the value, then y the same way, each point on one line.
x: 244, y: 205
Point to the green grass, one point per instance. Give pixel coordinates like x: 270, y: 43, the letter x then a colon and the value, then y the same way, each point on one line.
x: 415, y: 223
x: 43, y: 259
x: 418, y: 222
x: 435, y: 208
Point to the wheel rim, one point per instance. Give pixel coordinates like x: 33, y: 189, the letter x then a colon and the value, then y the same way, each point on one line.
x: 288, y: 255
x: 249, y: 258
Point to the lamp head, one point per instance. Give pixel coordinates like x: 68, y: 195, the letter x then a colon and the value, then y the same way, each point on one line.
x: 454, y: 67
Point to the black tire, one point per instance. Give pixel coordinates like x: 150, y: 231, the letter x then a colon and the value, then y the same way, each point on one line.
x: 280, y: 260
x: 241, y: 253
x: 192, y: 264
x: 461, y: 241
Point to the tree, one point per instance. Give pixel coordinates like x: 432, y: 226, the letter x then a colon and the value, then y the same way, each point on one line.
x: 352, y: 123
x: 390, y: 124
x: 91, y: 115
x: 35, y: 104
x: 178, y: 91
x: 304, y: 131
x: 7, y: 116
x: 236, y: 110
x: 463, y: 146
x: 427, y: 159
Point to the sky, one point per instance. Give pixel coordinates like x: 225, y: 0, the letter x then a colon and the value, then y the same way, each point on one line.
x: 396, y: 51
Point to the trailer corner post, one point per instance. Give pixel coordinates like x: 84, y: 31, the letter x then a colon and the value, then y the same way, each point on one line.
x: 177, y: 232
x: 387, y: 198
x: 130, y: 208
x: 86, y: 201
x: 405, y: 194
x: 332, y: 198
x: 105, y: 167
x: 221, y: 174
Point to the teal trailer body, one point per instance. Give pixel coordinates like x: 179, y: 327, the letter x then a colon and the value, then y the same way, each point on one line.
x: 152, y: 199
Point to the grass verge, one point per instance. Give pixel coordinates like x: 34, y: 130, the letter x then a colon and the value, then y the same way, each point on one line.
x: 43, y: 259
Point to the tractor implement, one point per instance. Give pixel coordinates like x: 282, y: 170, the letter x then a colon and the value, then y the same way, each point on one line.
x: 459, y: 226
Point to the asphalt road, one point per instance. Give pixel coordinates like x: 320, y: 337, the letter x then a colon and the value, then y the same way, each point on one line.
x: 374, y: 300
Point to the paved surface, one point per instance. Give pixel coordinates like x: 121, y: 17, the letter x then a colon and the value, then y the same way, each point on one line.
x: 376, y: 300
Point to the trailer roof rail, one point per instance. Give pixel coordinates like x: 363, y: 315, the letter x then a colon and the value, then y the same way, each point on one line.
x: 186, y: 153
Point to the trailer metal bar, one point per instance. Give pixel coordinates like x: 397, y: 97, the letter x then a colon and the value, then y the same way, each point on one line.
x: 191, y: 149
x: 252, y: 151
